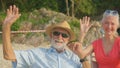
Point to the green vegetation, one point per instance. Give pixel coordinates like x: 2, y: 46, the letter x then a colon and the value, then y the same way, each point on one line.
x: 81, y: 7
x: 70, y: 10
x: 76, y: 8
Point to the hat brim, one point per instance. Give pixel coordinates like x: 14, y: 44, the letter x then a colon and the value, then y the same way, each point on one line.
x: 49, y: 30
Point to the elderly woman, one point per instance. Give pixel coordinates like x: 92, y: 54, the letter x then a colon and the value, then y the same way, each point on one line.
x: 106, y: 48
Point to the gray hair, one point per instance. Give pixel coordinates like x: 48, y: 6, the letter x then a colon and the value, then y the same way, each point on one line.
x: 111, y: 13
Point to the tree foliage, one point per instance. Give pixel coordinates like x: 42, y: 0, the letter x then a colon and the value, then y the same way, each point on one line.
x: 84, y: 7
x: 81, y: 7
x: 75, y: 8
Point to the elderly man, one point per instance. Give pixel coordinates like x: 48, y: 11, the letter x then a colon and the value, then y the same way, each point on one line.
x: 57, y: 56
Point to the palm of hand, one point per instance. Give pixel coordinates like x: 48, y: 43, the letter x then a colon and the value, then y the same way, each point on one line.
x: 84, y: 28
x: 85, y: 24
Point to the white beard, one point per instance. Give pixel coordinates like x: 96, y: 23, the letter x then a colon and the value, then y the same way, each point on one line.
x: 58, y: 44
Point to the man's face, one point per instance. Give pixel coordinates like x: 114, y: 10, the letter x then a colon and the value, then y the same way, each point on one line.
x: 60, y: 38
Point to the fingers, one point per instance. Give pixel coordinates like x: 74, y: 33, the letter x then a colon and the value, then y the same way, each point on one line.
x: 70, y: 45
x: 74, y: 46
x: 88, y: 20
x: 12, y: 10
x: 9, y: 10
x: 85, y: 20
x: 17, y: 10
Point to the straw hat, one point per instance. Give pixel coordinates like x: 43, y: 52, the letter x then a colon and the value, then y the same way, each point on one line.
x: 63, y: 25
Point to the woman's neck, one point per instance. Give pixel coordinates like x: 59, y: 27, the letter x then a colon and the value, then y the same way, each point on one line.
x: 109, y: 38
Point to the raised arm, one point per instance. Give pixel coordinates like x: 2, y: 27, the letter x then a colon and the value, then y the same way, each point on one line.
x: 12, y: 16
x: 78, y: 48
x: 84, y: 27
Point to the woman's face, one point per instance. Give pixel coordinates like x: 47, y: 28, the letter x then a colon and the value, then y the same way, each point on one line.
x: 110, y: 25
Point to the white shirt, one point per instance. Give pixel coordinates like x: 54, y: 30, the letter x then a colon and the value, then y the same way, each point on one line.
x: 46, y: 58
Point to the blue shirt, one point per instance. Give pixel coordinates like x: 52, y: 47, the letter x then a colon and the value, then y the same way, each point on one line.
x: 46, y: 58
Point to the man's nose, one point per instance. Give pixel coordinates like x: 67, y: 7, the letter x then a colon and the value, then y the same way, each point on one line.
x: 60, y: 36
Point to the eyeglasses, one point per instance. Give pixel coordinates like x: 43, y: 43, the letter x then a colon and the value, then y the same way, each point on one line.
x: 64, y: 35
x: 111, y: 12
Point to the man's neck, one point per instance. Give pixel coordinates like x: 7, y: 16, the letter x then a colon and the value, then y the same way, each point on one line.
x: 60, y: 50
